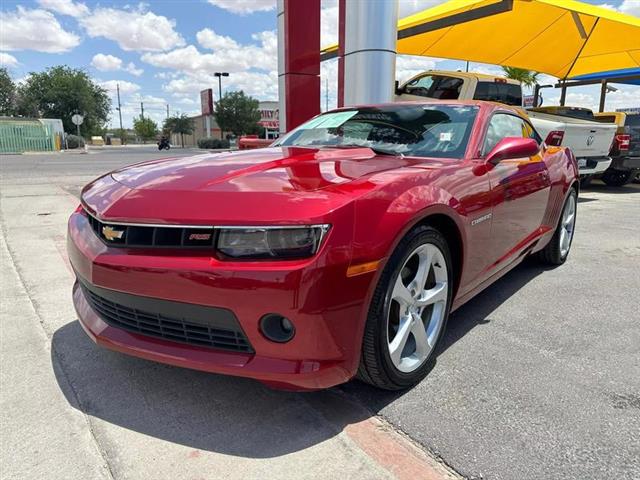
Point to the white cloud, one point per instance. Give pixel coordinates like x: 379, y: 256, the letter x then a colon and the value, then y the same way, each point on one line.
x: 227, y: 55
x: 409, y: 7
x: 65, y: 7
x: 207, y: 38
x: 7, y: 60
x: 630, y: 7
x: 125, y: 87
x: 244, y: 7
x: 111, y: 63
x: 133, y: 29
x: 35, y: 30
x: 106, y: 63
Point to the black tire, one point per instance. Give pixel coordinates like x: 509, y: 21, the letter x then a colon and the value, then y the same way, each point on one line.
x: 617, y: 178
x: 376, y: 367
x: 552, y: 253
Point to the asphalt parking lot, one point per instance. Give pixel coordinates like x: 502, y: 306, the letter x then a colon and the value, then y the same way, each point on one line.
x: 538, y: 377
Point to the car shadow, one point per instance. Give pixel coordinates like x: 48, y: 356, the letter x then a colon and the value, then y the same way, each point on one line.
x: 203, y: 411
x: 229, y: 415
x: 599, y: 186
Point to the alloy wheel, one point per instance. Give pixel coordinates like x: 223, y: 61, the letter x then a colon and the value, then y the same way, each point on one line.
x: 567, y: 225
x: 417, y: 308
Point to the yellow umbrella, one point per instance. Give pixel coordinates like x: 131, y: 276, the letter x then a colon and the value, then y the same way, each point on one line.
x: 563, y: 38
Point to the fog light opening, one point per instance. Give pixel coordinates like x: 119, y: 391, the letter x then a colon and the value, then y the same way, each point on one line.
x: 277, y: 328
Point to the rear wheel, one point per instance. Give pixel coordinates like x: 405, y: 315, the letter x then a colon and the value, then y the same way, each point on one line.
x: 408, y: 312
x: 557, y: 251
x: 617, y: 178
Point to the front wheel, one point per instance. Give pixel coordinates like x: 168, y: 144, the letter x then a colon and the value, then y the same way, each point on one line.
x: 557, y: 251
x: 408, y: 312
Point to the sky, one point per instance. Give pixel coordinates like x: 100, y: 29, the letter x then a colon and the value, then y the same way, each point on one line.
x: 165, y: 52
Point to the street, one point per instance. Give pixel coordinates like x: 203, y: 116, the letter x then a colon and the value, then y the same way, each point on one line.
x: 538, y: 377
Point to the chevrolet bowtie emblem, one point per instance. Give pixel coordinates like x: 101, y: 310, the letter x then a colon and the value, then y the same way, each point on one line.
x: 111, y: 234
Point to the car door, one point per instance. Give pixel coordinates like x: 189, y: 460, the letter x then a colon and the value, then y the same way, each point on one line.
x: 519, y: 188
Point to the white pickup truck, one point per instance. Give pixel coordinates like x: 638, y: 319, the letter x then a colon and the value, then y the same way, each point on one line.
x: 590, y: 141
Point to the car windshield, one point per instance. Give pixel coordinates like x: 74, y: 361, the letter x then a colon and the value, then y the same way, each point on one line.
x: 415, y: 130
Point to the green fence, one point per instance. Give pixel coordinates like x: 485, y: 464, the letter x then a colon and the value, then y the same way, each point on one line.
x: 18, y: 135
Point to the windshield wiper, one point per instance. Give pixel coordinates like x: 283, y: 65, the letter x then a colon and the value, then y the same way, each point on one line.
x: 376, y: 150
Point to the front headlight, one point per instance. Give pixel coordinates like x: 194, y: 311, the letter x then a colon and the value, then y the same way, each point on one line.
x: 270, y: 242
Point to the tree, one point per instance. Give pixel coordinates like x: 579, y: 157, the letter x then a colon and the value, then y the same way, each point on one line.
x: 61, y: 91
x: 237, y: 113
x: 181, y: 124
x: 145, y: 128
x: 527, y: 78
x: 7, y: 94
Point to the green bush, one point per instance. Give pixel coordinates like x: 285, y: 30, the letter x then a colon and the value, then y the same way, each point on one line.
x: 74, y: 141
x: 212, y: 143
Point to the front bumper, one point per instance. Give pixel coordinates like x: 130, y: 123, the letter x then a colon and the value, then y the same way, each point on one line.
x: 327, y: 308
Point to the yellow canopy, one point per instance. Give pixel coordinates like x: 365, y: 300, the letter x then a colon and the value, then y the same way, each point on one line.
x: 563, y: 38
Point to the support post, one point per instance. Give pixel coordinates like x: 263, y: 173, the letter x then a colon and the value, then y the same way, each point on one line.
x: 298, y: 61
x: 370, y: 37
x: 603, y: 95
x: 563, y: 94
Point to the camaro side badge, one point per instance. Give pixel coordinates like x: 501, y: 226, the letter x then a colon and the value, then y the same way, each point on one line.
x: 111, y: 234
x: 481, y: 219
x: 200, y: 236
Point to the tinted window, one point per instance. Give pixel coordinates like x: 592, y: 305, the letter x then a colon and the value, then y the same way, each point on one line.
x: 507, y: 93
x: 632, y: 120
x: 503, y: 125
x: 415, y: 130
x: 435, y: 86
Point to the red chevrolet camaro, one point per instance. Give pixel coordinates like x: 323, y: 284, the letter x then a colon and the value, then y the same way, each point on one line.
x: 338, y: 252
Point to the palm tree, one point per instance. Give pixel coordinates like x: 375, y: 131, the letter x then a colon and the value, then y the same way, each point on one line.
x: 528, y: 78
x: 179, y: 124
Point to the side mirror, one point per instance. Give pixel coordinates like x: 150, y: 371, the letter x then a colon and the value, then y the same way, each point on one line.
x: 512, y: 147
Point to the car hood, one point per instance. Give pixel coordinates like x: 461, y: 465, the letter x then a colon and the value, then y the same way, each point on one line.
x: 280, y: 169
x: 272, y: 185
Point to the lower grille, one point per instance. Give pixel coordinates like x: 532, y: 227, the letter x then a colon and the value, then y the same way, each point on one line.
x: 169, y: 327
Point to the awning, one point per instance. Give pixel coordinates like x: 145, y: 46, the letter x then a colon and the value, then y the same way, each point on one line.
x: 627, y: 76
x: 563, y: 38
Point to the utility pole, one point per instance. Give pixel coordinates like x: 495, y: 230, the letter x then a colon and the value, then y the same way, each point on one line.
x: 167, y: 110
x: 326, y: 94
x: 120, y: 114
x: 141, y: 111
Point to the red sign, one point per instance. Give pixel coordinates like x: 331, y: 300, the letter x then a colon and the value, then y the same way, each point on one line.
x: 206, y: 101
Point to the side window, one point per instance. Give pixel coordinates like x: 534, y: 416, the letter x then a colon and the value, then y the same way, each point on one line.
x: 435, y: 86
x: 486, y: 91
x: 503, y: 125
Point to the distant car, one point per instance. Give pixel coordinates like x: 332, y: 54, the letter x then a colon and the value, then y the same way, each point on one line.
x: 339, y: 251
x: 625, y: 150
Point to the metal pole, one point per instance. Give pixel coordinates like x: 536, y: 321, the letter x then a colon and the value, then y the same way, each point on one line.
x: 142, y: 110
x: 371, y: 34
x: 120, y: 115
x: 167, y: 110
x: 467, y: 68
x: 219, y: 87
x: 78, y: 127
x: 603, y: 95
x: 563, y: 94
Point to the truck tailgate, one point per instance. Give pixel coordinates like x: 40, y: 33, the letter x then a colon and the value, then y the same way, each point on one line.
x: 585, y: 138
